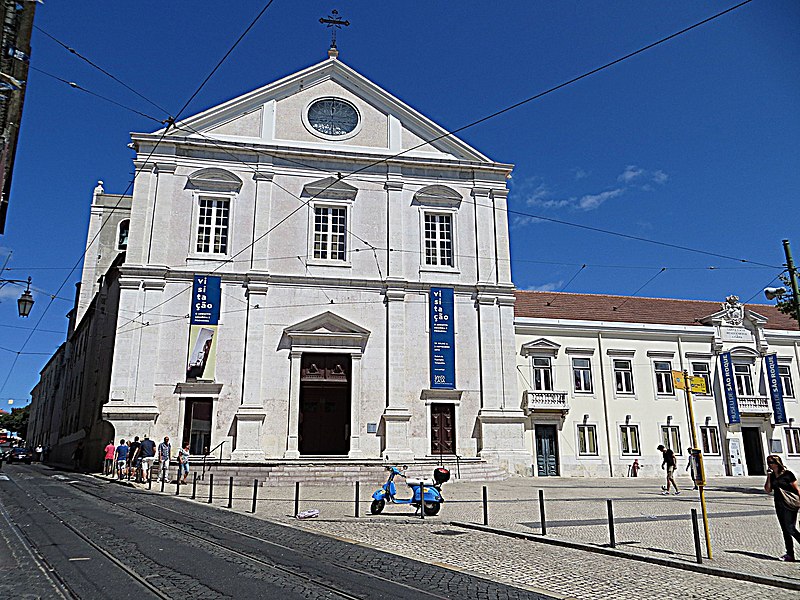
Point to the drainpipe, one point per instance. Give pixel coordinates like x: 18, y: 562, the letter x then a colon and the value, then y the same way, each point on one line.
x: 605, y: 402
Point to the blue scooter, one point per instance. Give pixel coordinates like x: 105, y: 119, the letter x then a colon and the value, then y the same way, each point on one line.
x: 428, y: 489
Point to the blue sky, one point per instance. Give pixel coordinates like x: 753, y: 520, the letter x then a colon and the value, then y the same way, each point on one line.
x: 693, y: 143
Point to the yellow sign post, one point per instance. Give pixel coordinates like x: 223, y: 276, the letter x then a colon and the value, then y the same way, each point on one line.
x: 697, y: 385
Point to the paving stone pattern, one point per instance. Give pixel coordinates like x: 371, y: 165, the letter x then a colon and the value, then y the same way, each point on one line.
x: 744, y: 532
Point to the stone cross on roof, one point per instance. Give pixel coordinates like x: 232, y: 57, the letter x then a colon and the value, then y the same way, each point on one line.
x: 334, y: 22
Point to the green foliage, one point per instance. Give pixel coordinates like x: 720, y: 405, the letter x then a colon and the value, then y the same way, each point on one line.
x: 17, y: 420
x: 785, y: 304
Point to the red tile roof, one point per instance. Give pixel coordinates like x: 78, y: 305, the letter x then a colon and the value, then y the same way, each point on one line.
x: 630, y: 309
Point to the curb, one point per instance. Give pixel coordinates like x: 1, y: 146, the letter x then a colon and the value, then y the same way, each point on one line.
x: 111, y: 480
x: 775, y: 581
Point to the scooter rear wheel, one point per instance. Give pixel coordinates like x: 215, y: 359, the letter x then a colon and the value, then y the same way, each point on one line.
x: 432, y: 508
x: 377, y: 506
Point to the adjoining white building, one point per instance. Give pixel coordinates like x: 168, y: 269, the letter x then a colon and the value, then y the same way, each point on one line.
x: 594, y: 373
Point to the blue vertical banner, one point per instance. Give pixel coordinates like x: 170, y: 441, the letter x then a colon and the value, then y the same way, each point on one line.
x: 729, y: 387
x: 775, y: 388
x: 443, y: 354
x: 203, y: 325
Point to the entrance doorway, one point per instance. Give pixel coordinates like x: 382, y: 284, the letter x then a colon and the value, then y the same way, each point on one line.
x: 546, y: 451
x: 324, y: 404
x: 753, y: 451
x: 197, y: 425
x: 443, y: 429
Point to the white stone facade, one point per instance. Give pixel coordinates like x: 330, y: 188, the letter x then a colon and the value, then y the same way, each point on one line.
x: 692, y: 337
x: 260, y: 158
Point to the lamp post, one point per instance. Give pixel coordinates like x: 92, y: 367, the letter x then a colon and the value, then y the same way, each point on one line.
x: 25, y: 301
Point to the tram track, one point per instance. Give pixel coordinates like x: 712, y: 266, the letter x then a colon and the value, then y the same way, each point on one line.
x: 194, y: 519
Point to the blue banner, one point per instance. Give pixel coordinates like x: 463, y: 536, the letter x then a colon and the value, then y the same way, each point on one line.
x: 206, y: 294
x: 775, y: 388
x: 729, y: 387
x: 443, y: 355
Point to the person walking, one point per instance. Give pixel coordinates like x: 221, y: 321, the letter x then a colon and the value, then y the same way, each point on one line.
x: 670, y: 463
x: 690, y: 468
x: 164, y: 455
x: 121, y: 458
x: 148, y: 452
x: 183, y: 462
x: 783, y: 484
x: 134, y: 458
x: 108, y: 461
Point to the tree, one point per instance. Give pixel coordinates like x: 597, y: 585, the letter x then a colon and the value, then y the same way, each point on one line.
x: 17, y: 421
x: 785, y: 303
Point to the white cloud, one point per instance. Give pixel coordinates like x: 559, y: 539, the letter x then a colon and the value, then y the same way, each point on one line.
x: 580, y: 174
x: 546, y: 287
x: 631, y: 173
x: 660, y: 177
x: 9, y: 291
x: 593, y: 201
x: 522, y: 221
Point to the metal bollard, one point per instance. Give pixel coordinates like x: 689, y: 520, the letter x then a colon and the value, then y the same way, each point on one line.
x: 612, y: 538
x: 162, y: 484
x: 255, y: 495
x: 178, y: 486
x: 210, y: 488
x: 194, y: 487
x: 150, y: 482
x: 356, y: 500
x: 296, y: 498
x: 698, y: 552
x: 485, y: 506
x: 230, y: 493
x: 421, y: 502
x: 541, y: 512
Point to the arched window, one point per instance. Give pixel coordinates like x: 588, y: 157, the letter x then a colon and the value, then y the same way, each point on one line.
x: 122, y: 236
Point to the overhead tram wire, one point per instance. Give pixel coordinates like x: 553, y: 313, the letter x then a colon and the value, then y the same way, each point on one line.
x: 76, y: 86
x: 761, y: 289
x: 641, y: 287
x: 171, y: 121
x: 566, y: 285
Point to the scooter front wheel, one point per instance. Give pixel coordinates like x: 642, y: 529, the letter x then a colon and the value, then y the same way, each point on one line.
x: 432, y: 508
x: 377, y: 506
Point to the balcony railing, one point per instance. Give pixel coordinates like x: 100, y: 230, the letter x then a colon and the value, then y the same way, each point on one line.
x: 541, y: 401
x: 754, y: 405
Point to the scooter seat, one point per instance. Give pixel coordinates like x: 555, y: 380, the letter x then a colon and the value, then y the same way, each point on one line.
x: 415, y: 482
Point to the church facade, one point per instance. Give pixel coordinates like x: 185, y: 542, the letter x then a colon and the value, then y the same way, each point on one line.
x: 307, y: 277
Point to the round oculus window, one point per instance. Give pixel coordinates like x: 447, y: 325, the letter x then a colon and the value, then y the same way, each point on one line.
x: 333, y: 117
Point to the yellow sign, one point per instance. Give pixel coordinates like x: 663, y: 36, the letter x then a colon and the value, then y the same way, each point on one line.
x: 678, y: 381
x: 698, y: 385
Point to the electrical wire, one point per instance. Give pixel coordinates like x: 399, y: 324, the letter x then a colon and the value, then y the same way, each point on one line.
x: 641, y: 287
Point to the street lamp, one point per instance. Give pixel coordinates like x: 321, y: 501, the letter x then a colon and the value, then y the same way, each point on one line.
x: 771, y: 293
x: 25, y: 301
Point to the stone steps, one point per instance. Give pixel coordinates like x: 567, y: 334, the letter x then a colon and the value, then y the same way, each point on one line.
x: 337, y: 472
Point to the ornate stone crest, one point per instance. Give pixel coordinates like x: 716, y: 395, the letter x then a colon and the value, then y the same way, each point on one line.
x: 733, y: 311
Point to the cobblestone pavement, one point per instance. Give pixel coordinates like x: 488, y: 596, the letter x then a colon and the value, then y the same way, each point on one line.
x: 744, y: 532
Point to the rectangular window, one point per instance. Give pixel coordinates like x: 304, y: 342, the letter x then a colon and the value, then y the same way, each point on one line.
x: 438, y: 239
x: 542, y: 375
x: 701, y: 369
x: 663, y: 370
x: 793, y: 440
x: 623, y: 376
x: 212, y: 226
x: 582, y: 374
x: 785, y: 373
x: 744, y: 381
x: 587, y: 440
x: 710, y: 437
x: 629, y: 439
x: 671, y: 438
x: 330, y: 230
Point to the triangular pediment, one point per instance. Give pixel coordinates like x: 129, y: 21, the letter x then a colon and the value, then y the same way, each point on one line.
x: 326, y: 323
x: 277, y: 114
x: 330, y: 188
x: 541, y: 346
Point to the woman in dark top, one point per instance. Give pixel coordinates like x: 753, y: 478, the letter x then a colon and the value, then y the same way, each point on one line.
x: 781, y: 478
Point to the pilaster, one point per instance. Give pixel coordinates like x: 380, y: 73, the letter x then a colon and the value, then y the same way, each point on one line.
x: 396, y: 416
x: 292, y: 434
x: 395, y: 211
x: 484, y: 235
x: 261, y: 215
x: 355, y: 408
x: 159, y: 245
x: 500, y: 199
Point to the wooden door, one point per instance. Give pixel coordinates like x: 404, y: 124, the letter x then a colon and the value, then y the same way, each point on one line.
x: 546, y: 451
x: 443, y: 429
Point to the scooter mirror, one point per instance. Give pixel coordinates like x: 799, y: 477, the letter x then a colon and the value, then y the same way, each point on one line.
x: 405, y: 467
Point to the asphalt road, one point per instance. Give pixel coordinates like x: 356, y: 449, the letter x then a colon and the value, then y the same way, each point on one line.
x: 74, y: 536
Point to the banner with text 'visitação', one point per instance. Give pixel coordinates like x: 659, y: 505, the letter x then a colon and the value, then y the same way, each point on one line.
x: 203, y: 325
x: 442, y: 332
